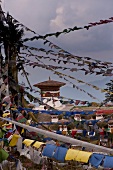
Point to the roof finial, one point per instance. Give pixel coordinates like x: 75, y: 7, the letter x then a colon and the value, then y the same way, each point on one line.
x: 49, y: 78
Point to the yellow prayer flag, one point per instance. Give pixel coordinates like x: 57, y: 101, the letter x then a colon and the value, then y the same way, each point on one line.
x: 13, y: 109
x: 3, y: 104
x: 6, y: 114
x: 14, y: 140
x: 22, y: 131
x: 83, y: 156
x: 38, y: 144
x: 102, y: 90
x: 28, y: 142
x: 7, y: 124
x: 71, y: 154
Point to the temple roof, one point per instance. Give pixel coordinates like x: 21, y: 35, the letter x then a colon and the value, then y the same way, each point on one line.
x: 49, y: 83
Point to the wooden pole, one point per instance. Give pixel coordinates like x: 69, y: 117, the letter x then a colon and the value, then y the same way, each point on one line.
x: 62, y: 138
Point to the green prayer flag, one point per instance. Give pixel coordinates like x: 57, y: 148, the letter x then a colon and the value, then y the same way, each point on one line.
x: 6, y: 142
x: 1, y: 133
x: 3, y: 155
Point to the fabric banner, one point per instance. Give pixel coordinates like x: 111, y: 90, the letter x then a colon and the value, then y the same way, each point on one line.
x: 60, y: 153
x: 28, y: 142
x: 37, y: 144
x: 14, y: 140
x: 21, y: 119
x: 71, y: 154
x: 96, y: 159
x: 108, y: 162
x: 49, y: 150
x: 83, y: 156
x: 3, y: 155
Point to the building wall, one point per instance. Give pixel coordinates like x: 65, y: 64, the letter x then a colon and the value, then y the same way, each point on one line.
x: 50, y: 94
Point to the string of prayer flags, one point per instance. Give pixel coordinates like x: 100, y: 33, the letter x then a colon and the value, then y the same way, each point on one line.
x: 68, y: 30
x: 61, y: 50
x: 34, y: 64
x: 90, y: 64
x: 80, y: 81
x: 64, y: 31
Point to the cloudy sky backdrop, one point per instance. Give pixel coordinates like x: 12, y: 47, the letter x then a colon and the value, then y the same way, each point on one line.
x: 47, y: 16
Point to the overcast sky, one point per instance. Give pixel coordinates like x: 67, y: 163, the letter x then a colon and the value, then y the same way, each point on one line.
x: 46, y: 16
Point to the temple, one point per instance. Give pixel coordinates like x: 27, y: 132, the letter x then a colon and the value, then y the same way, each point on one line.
x: 50, y: 93
x: 50, y: 88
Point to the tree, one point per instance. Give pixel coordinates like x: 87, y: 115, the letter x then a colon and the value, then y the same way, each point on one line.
x: 11, y: 41
x: 109, y: 95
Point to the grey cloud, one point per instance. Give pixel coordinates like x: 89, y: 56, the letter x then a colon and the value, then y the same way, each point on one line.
x: 46, y: 16
x: 34, y: 14
x: 79, y: 12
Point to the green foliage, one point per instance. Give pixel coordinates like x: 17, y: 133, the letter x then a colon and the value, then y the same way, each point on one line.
x: 108, y: 96
x: 10, y: 36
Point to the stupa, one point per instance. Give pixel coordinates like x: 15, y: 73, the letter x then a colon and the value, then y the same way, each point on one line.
x: 50, y: 88
x: 50, y: 93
